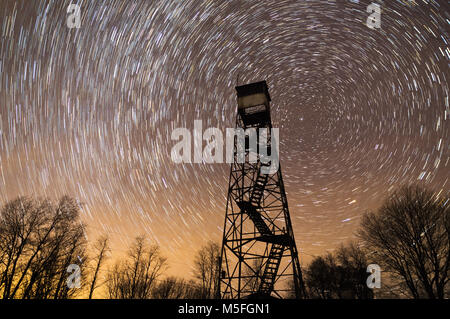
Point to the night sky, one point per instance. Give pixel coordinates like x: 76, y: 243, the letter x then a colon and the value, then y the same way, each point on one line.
x: 89, y: 112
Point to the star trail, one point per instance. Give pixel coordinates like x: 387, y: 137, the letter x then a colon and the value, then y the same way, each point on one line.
x: 89, y: 111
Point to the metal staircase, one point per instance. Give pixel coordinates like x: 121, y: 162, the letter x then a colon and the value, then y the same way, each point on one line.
x: 277, y: 249
x: 256, y: 218
x: 258, y: 187
x: 271, y: 269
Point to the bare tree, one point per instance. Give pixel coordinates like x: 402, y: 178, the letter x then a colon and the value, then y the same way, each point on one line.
x: 135, y: 277
x: 352, y: 264
x: 410, y: 238
x: 101, y: 247
x: 320, y: 277
x: 170, y: 288
x: 206, y: 269
x: 176, y: 288
x: 38, y: 241
x: 341, y: 275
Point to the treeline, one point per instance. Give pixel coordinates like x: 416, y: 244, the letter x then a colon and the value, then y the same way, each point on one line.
x: 44, y: 254
x: 408, y: 238
x: 138, y: 275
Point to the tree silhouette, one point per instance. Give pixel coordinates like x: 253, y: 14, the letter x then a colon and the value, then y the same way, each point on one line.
x: 352, y: 263
x: 135, y: 277
x: 206, y: 269
x: 409, y: 237
x: 38, y: 241
x: 320, y: 277
x: 101, y: 247
x: 340, y: 275
x: 176, y: 288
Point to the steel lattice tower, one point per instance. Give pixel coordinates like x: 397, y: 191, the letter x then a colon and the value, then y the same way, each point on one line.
x: 259, y: 256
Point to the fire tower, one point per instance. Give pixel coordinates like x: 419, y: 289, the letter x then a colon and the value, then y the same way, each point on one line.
x: 259, y: 256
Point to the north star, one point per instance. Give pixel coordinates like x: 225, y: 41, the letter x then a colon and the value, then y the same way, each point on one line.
x: 195, y: 309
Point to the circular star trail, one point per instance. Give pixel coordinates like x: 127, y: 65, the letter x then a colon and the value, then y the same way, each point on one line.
x: 89, y: 112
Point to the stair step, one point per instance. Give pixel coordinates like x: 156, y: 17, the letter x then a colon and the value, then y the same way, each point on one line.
x: 271, y: 268
x: 258, y: 187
